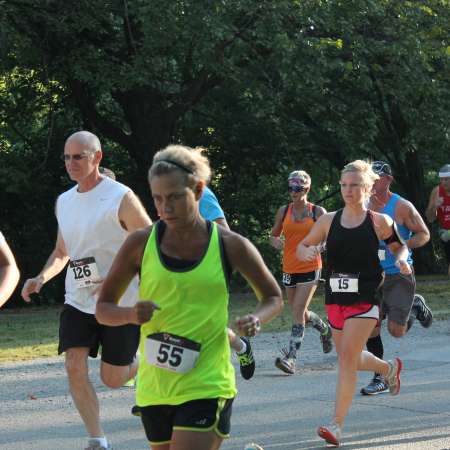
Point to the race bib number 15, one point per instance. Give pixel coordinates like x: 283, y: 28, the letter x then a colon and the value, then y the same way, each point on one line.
x: 170, y: 352
x: 344, y: 282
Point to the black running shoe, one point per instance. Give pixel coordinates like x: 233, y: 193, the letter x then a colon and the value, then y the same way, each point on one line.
x: 246, y: 361
x: 286, y: 363
x: 424, y: 314
x: 136, y: 411
x: 376, y: 386
x: 327, y: 341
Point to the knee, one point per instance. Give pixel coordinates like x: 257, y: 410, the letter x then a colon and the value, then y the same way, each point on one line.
x: 348, y: 359
x: 396, y: 330
x: 114, y: 378
x: 76, y: 368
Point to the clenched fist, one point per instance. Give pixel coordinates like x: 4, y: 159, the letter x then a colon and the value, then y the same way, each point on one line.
x: 143, y: 311
x: 248, y: 325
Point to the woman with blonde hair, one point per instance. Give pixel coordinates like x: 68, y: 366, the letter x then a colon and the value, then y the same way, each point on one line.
x: 300, y: 278
x: 186, y: 381
x: 353, y: 276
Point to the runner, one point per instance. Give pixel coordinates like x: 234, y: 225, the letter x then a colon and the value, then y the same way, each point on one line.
x: 186, y: 380
x: 9, y: 273
x: 300, y: 278
x: 399, y: 303
x: 210, y: 209
x: 439, y: 207
x: 353, y: 276
x: 94, y: 218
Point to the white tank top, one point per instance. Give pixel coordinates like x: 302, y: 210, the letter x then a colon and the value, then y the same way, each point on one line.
x: 90, y: 227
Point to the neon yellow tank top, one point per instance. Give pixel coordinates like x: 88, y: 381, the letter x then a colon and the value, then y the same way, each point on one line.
x: 194, y: 307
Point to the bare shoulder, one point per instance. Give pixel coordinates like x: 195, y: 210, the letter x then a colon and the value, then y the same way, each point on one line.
x: 381, y: 220
x: 233, y: 241
x: 405, y: 208
x: 130, y: 199
x: 237, y: 247
x: 326, y: 218
x: 137, y: 240
x: 320, y: 211
x: 281, y: 210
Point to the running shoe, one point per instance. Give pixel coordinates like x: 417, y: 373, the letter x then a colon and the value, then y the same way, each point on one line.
x: 331, y: 434
x: 424, y: 314
x: 286, y: 363
x: 129, y: 383
x: 246, y: 361
x: 376, y: 386
x: 327, y: 341
x: 95, y: 445
x: 393, y: 379
x: 136, y: 411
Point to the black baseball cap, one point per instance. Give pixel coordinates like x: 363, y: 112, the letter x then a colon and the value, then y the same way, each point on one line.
x: 381, y: 168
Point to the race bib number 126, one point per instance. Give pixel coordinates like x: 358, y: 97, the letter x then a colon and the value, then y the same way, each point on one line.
x: 84, y: 272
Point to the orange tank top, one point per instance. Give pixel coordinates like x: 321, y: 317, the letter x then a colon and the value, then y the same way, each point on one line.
x: 294, y: 232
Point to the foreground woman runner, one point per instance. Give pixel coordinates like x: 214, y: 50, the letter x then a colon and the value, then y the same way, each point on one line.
x: 353, y: 277
x: 300, y: 278
x: 186, y: 381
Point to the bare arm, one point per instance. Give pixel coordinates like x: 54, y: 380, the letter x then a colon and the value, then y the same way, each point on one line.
x: 9, y: 273
x: 310, y: 247
x: 433, y: 204
x: 245, y: 258
x: 274, y: 238
x: 132, y: 214
x: 125, y: 267
x: 54, y: 265
x: 408, y: 215
x: 384, y: 228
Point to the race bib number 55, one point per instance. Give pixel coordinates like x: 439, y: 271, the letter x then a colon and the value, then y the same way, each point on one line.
x: 170, y: 352
x: 344, y: 282
x: 84, y: 272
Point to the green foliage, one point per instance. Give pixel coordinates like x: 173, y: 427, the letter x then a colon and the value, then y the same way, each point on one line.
x: 268, y: 87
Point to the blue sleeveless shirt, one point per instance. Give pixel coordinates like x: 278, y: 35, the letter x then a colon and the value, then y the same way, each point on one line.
x: 388, y: 263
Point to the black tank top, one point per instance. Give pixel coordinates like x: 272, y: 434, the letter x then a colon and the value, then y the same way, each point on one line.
x: 353, y: 251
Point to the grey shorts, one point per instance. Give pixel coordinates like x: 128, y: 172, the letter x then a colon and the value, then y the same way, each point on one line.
x: 397, y: 297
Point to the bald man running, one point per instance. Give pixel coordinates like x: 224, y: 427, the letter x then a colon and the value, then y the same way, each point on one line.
x: 94, y: 219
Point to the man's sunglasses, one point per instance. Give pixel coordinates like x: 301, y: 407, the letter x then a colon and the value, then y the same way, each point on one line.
x: 75, y: 157
x: 297, y: 188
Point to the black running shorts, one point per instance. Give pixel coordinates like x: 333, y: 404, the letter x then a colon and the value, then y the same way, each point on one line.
x: 290, y: 280
x: 79, y: 329
x: 196, y: 415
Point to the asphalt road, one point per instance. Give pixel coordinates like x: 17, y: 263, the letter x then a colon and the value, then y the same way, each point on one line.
x: 278, y: 412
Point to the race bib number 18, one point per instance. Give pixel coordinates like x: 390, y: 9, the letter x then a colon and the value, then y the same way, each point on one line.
x: 170, y: 352
x: 84, y: 272
x: 344, y: 282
